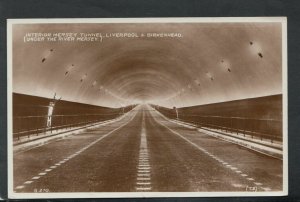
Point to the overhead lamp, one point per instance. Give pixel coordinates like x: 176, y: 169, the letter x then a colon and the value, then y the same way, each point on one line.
x: 47, y: 54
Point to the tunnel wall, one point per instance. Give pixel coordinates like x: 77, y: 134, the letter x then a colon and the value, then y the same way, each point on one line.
x: 30, y: 114
x: 260, y: 116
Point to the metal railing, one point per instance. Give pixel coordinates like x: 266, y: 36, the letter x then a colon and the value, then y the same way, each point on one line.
x: 257, y: 128
x: 37, y: 124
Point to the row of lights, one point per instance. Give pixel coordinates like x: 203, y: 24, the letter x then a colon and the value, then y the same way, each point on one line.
x: 224, y: 63
x: 71, y: 68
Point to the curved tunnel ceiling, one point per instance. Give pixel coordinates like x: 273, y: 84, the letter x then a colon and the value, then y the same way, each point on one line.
x: 211, y: 63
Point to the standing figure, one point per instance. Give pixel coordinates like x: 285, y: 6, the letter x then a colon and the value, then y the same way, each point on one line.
x: 50, y: 110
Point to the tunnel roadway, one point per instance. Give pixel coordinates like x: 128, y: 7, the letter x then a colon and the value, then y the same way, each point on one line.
x: 141, y: 152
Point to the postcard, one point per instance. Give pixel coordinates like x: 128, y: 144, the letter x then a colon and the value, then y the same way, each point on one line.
x: 147, y: 107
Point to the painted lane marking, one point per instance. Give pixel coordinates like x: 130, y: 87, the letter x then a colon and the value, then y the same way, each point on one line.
x: 143, y: 188
x: 237, y: 171
x: 143, y: 183
x: 266, y: 188
x: 28, y: 182
x: 144, y: 171
x: 205, y: 151
x: 144, y: 168
x: 73, y: 155
x: 238, y: 185
x: 143, y: 180
x: 143, y: 174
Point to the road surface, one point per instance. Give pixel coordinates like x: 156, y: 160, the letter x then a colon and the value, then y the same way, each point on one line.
x: 144, y: 152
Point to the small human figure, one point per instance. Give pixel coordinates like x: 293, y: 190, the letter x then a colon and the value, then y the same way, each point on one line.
x: 50, y: 110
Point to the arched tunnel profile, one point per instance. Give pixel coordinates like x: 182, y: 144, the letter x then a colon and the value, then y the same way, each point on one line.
x: 154, y: 106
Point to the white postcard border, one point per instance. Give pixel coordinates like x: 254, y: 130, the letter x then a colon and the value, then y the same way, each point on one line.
x: 11, y: 22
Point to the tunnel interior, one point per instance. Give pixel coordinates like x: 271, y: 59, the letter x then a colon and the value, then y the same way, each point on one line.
x: 208, y: 63
x: 163, y: 107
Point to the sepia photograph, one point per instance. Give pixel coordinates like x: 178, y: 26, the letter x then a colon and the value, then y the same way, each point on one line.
x: 147, y: 107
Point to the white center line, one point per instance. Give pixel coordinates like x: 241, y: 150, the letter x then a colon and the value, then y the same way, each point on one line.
x: 143, y: 188
x: 143, y: 180
x: 144, y: 168
x: 144, y: 171
x: 143, y: 183
x: 143, y: 174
